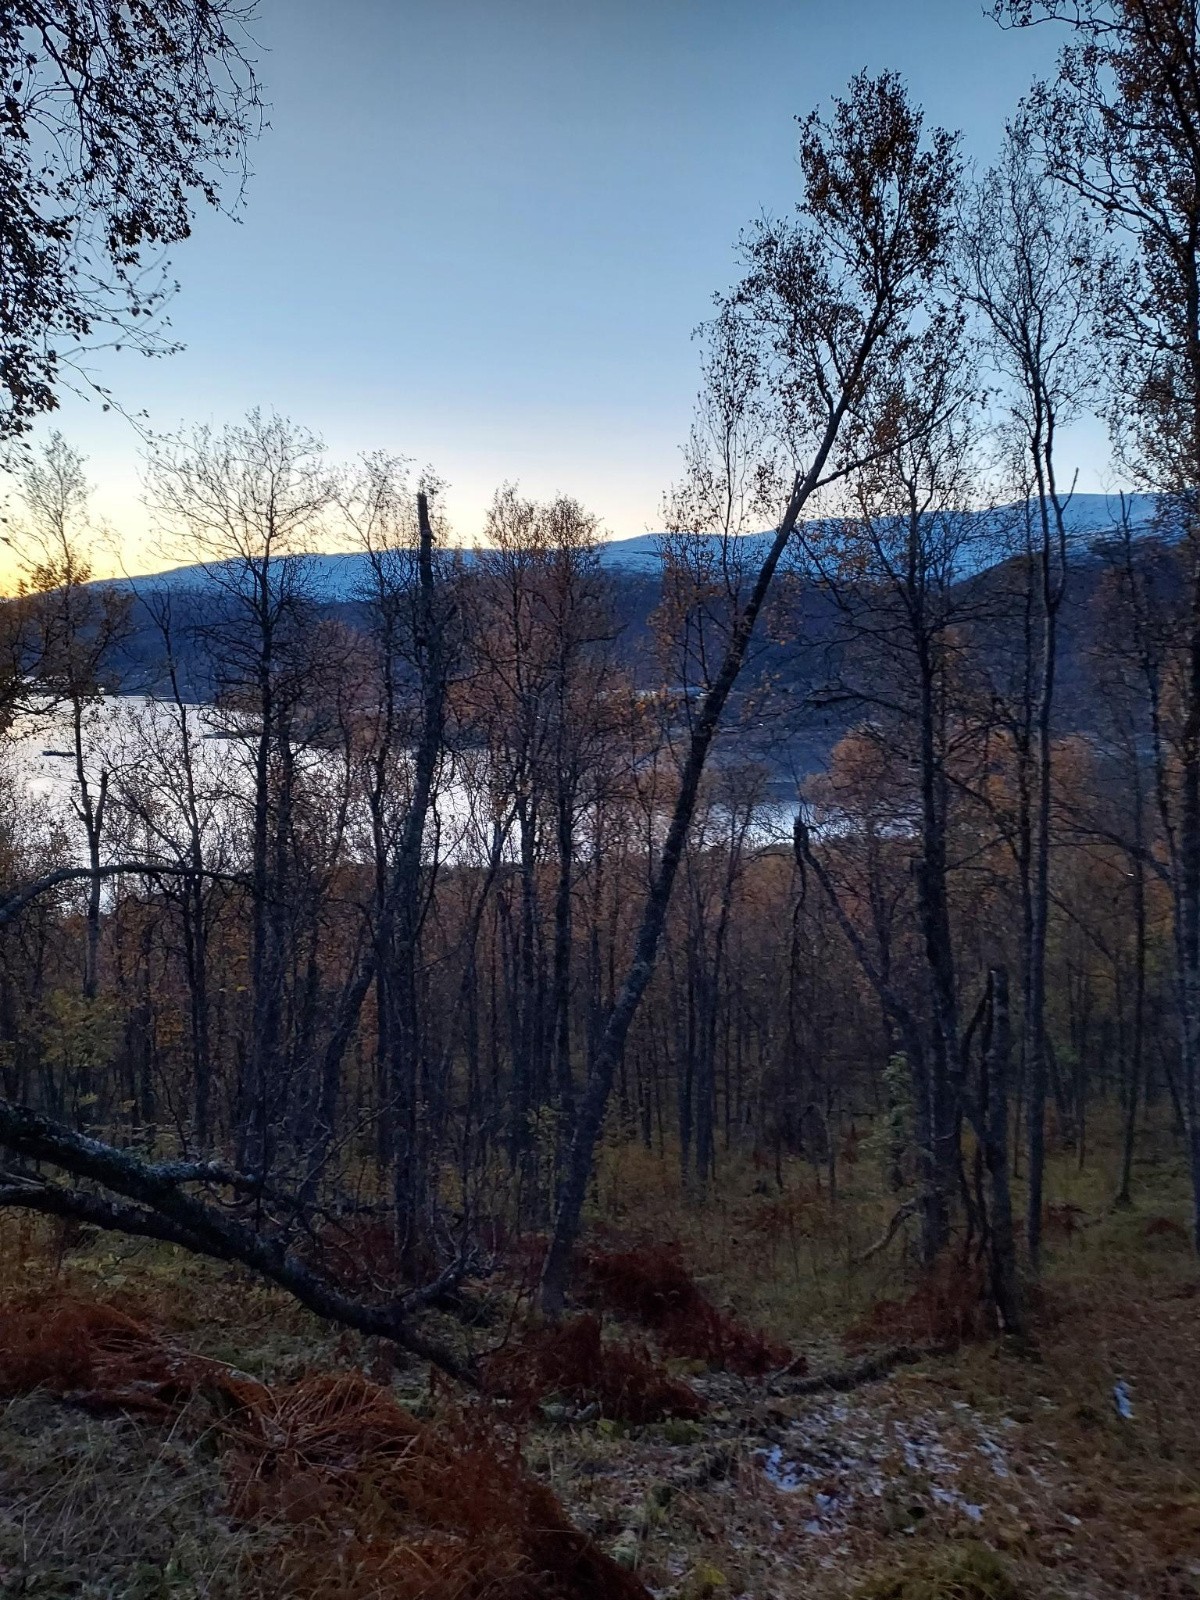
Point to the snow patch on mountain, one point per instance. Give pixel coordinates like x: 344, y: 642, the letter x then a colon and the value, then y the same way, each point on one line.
x: 342, y: 577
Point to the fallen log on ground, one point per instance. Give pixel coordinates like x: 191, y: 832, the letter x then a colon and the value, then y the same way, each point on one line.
x: 157, y: 1200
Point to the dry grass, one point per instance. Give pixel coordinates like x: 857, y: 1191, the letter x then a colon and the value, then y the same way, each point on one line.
x: 111, y: 1509
x: 781, y: 1260
x: 958, y: 1572
x: 892, y: 1490
x: 1091, y: 1504
x: 374, y: 1500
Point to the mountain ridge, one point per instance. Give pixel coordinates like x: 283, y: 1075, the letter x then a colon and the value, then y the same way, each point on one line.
x: 340, y: 576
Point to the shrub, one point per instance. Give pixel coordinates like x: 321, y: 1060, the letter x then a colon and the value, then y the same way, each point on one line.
x: 948, y: 1307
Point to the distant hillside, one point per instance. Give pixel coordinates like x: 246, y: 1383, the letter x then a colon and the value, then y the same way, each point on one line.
x: 796, y: 651
x: 342, y: 577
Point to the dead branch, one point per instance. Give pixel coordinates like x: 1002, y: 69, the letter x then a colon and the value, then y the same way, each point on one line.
x: 150, y: 1200
x: 899, y: 1218
x: 841, y: 1379
x: 16, y: 903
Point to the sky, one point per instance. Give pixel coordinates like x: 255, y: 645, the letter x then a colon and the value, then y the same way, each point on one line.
x: 480, y: 233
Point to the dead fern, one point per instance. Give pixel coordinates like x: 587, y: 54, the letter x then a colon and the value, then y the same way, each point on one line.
x: 572, y: 1361
x: 651, y: 1283
x: 949, y: 1307
x: 376, y: 1501
x: 98, y: 1357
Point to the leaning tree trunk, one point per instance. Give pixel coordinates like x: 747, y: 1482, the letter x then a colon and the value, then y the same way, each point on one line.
x: 594, y: 1101
x: 411, y: 1187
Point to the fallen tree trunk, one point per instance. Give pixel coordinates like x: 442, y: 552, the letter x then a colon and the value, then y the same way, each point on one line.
x: 871, y: 1369
x: 154, y: 1200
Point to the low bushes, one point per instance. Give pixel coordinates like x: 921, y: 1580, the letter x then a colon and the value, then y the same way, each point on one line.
x: 949, y: 1307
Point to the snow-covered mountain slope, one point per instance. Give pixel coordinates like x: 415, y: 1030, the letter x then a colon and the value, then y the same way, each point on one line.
x: 1091, y: 518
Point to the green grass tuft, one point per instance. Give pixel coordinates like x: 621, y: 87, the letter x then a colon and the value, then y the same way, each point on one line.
x: 956, y: 1572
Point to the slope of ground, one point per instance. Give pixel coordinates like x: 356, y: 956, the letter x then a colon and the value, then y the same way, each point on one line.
x: 1069, y: 1467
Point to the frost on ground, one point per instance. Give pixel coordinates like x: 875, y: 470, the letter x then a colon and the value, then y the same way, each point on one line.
x: 810, y: 1491
x: 846, y: 1459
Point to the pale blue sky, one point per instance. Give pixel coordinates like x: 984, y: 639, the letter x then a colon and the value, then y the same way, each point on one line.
x: 480, y: 232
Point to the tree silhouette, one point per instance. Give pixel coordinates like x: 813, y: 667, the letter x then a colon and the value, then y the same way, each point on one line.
x: 116, y: 120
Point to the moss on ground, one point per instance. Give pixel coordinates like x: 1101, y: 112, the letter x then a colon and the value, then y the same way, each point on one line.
x: 958, y: 1572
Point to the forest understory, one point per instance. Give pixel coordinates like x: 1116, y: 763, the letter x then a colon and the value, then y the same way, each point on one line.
x: 203, y: 1436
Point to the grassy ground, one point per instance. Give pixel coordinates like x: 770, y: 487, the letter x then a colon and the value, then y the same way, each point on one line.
x: 1069, y: 1467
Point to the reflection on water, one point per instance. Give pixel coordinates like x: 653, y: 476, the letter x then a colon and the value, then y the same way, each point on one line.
x: 138, y: 743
